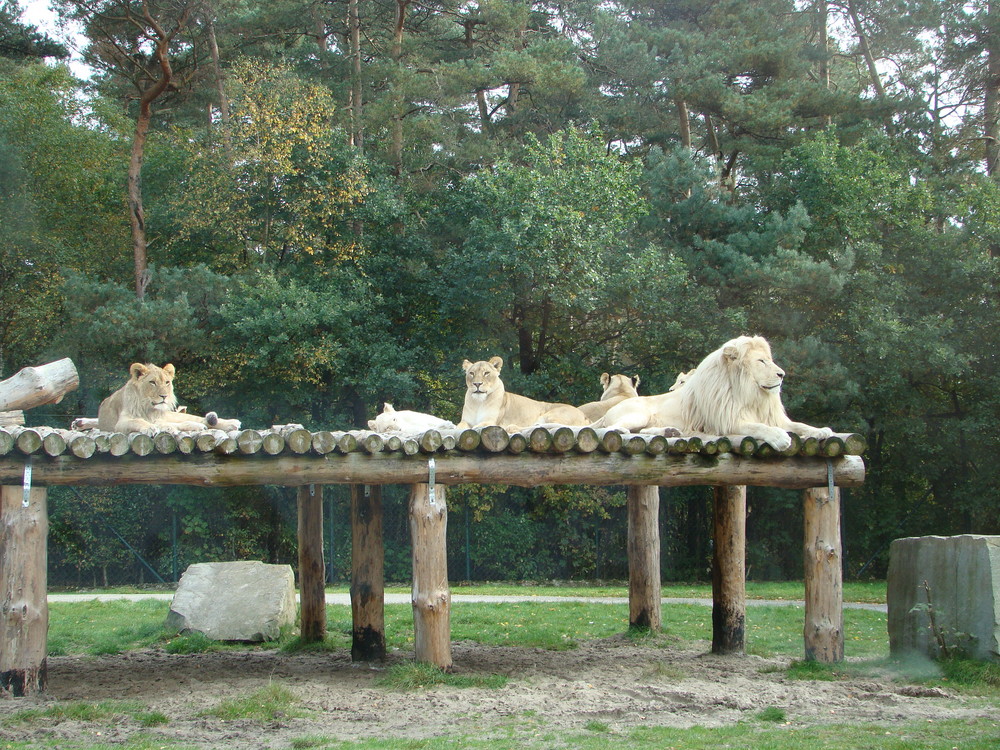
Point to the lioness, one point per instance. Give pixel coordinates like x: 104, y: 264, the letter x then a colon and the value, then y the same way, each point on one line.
x: 488, y: 403
x: 616, y: 388
x: 410, y: 422
x: 146, y: 403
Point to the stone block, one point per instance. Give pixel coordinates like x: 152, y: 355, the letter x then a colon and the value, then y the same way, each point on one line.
x: 963, y: 574
x: 234, y: 601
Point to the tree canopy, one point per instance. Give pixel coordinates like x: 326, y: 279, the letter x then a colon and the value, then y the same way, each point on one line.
x: 340, y: 201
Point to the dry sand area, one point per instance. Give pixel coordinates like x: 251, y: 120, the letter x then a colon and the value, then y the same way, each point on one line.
x: 616, y: 681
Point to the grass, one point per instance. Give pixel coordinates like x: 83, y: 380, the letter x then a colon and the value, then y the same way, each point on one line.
x: 267, y: 704
x: 414, y: 676
x: 102, y: 712
x: 94, y: 628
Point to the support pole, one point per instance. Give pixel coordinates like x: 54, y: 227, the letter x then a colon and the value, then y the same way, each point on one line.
x: 824, y: 620
x: 312, y: 571
x: 729, y: 592
x: 367, y: 574
x: 24, y: 609
x: 644, y: 607
x: 431, y: 596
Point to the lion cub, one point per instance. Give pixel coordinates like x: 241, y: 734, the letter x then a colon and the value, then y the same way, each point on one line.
x: 488, y: 403
x: 146, y: 403
x: 616, y: 388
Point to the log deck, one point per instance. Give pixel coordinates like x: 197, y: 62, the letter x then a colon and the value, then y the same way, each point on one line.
x: 292, y: 456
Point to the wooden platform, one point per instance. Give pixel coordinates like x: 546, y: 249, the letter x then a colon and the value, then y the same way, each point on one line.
x: 33, y: 458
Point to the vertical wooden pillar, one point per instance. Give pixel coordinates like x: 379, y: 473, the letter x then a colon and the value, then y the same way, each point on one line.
x: 824, y: 625
x: 367, y: 574
x: 644, y: 601
x: 24, y: 609
x: 312, y: 571
x: 431, y: 596
x: 729, y: 594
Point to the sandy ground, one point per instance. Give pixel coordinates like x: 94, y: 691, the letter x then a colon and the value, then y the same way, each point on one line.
x: 615, y: 681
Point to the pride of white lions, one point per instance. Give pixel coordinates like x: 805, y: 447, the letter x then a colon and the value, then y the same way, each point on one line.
x: 735, y: 390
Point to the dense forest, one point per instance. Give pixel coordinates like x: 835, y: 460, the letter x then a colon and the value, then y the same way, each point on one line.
x: 311, y: 207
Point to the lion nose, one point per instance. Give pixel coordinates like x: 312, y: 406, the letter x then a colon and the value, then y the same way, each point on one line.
x: 781, y: 373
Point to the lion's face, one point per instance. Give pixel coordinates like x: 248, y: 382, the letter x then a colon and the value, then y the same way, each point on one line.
x: 482, y: 378
x: 682, y: 378
x: 753, y: 356
x: 154, y: 385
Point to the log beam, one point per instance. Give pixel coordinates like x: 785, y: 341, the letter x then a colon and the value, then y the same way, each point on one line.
x: 729, y: 595
x: 644, y: 603
x: 431, y: 595
x: 35, y: 386
x: 24, y: 609
x: 523, y: 470
x: 824, y: 605
x: 312, y: 571
x: 367, y: 574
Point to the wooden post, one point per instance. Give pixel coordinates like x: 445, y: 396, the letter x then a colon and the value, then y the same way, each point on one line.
x: 23, y: 604
x: 644, y: 608
x: 312, y: 571
x: 824, y: 621
x: 729, y: 595
x: 431, y: 597
x: 367, y: 574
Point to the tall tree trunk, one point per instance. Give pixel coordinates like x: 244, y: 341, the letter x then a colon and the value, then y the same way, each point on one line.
x: 354, y: 24
x: 991, y: 99
x: 220, y: 87
x: 396, y: 154
x: 137, y: 219
x: 866, y: 52
x: 685, y: 124
x: 824, y: 50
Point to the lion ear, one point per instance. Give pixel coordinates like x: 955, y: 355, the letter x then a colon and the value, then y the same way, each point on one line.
x: 605, y: 379
x: 371, y: 424
x: 466, y: 364
x: 137, y: 370
x: 635, y: 381
x: 169, y: 369
x: 497, y: 362
x: 731, y: 353
x: 387, y: 408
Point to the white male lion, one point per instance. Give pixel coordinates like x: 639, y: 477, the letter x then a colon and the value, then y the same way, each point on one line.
x: 146, y: 403
x: 488, y: 403
x: 736, y: 390
x: 409, y: 422
x: 617, y: 388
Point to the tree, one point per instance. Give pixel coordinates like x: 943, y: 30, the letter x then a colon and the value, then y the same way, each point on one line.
x: 19, y: 41
x: 140, y: 40
x: 542, y: 237
x: 284, y: 200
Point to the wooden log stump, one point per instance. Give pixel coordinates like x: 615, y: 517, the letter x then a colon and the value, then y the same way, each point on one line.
x: 729, y: 595
x: 11, y: 418
x: 644, y: 557
x: 431, y: 596
x: 494, y: 439
x: 36, y: 386
x: 367, y: 574
x: 249, y: 441
x: 24, y: 610
x: 323, y: 442
x: 272, y: 443
x: 312, y: 571
x: 824, y: 616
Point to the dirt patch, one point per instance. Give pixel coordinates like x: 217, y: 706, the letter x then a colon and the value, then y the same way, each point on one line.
x: 614, y: 681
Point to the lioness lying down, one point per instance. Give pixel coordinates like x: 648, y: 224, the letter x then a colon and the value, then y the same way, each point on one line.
x: 736, y: 390
x: 617, y: 388
x: 488, y: 403
x: 409, y: 422
x: 146, y: 403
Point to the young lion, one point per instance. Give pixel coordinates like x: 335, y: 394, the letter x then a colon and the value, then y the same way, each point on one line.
x: 616, y: 388
x: 146, y: 403
x: 488, y: 403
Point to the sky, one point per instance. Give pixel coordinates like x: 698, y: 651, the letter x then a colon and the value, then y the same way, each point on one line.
x: 38, y: 13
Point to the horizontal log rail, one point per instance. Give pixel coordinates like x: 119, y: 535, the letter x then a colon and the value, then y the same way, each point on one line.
x: 526, y: 470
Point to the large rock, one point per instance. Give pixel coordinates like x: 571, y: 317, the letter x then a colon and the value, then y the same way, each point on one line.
x: 963, y: 574
x: 234, y: 601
